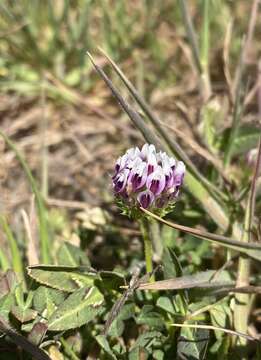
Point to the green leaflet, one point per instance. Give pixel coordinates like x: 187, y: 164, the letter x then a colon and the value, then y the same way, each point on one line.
x: 71, y: 278
x: 78, y: 309
x: 62, y: 278
x: 23, y: 314
x: 47, y: 298
x: 6, y: 303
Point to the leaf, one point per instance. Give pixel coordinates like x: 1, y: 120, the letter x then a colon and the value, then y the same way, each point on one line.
x: 147, y: 339
x: 172, y: 266
x: 111, y: 280
x: 192, y: 344
x: 199, y: 280
x: 219, y: 317
x: 246, y: 139
x: 22, y: 314
x: 78, y: 309
x: 6, y: 303
x: 62, y: 278
x: 166, y: 304
x: 47, y: 298
x: 71, y: 255
x: 251, y: 249
x: 148, y: 316
x: 102, y: 341
x: 117, y: 326
x: 15, y: 252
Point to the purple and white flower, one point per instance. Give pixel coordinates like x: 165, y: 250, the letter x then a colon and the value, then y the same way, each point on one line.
x: 147, y: 178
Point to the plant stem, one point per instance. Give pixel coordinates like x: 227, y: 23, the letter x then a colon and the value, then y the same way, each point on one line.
x: 144, y: 226
x: 243, y: 303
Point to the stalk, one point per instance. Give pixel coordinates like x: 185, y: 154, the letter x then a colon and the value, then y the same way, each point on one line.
x: 243, y: 303
x: 145, y: 230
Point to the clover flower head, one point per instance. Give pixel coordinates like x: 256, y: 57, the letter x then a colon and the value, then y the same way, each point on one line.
x: 147, y: 178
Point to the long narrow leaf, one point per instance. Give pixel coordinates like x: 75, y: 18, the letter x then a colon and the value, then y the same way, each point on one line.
x: 251, y: 249
x: 16, y: 256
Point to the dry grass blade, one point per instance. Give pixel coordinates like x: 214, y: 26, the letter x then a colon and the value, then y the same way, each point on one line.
x: 21, y: 341
x: 215, y: 328
x: 134, y: 116
x: 30, y: 229
x: 183, y: 282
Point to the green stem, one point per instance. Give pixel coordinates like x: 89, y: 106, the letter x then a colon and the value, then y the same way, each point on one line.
x: 144, y: 226
x: 4, y: 263
x: 17, y: 262
x: 243, y: 303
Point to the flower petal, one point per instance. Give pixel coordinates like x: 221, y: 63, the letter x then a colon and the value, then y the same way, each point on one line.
x: 120, y: 181
x: 178, y: 174
x: 138, y: 176
x: 145, y: 198
x: 156, y: 181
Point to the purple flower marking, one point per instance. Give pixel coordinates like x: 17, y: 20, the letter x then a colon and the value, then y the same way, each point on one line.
x: 120, y: 181
x: 152, y: 162
x: 146, y: 198
x: 178, y: 174
x: 148, y: 178
x: 156, y: 181
x: 138, y: 176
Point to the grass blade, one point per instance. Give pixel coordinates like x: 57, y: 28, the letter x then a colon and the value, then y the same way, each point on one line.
x: 251, y: 249
x: 42, y: 212
x: 191, y: 33
x: 16, y: 257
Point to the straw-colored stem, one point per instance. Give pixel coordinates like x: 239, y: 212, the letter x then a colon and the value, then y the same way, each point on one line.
x: 243, y: 303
